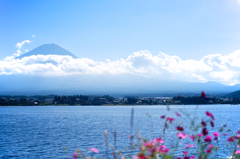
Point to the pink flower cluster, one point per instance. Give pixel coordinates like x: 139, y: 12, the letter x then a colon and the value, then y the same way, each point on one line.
x: 153, y: 149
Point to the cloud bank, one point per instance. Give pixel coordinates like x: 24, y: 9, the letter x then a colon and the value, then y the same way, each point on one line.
x: 18, y: 52
x: 215, y: 67
x: 19, y: 45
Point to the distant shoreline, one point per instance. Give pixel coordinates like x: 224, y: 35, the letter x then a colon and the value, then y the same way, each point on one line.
x: 106, y: 100
x: 108, y: 105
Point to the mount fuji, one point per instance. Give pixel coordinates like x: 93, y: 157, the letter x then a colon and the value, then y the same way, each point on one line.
x: 48, y: 49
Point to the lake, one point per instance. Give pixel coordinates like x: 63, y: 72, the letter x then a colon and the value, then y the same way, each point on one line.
x: 44, y: 131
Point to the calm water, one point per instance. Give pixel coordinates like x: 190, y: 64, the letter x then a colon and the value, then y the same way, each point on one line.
x: 42, y: 132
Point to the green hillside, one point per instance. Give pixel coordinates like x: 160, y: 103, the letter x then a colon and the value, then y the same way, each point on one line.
x: 235, y: 94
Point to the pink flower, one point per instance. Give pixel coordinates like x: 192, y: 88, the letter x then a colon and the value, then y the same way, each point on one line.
x: 163, y: 116
x: 159, y: 140
x: 141, y: 156
x: 193, y: 157
x: 208, y: 151
x: 238, y: 146
x: 210, y: 115
x: 152, y: 150
x: 230, y: 139
x: 208, y: 139
x: 170, y: 119
x: 212, y: 124
x: 179, y: 128
x: 192, y: 137
x: 178, y: 114
x: 163, y: 149
x: 135, y: 157
x: 147, y: 144
x: 182, y: 135
x: 239, y: 131
x: 238, y: 136
x: 153, y: 142
x: 203, y: 123
x: 203, y: 94
x: 190, y: 145
x: 200, y: 135
x: 74, y: 155
x: 237, y: 152
x: 204, y: 131
x: 185, y: 152
x: 215, y: 134
x: 94, y: 150
x: 210, y: 146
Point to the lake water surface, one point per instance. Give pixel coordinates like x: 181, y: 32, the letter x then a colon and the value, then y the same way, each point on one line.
x: 43, y: 131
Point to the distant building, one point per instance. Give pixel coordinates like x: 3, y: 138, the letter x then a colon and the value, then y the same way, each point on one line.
x: 125, y: 99
x: 32, y: 99
x: 100, y: 101
x: 48, y: 101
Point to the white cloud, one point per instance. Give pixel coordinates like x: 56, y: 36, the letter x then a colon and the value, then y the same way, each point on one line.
x: 19, y: 45
x: 18, y: 53
x: 33, y: 36
x: 214, y: 67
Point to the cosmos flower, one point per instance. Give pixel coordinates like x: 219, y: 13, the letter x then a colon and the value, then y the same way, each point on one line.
x: 159, y: 140
x: 215, y: 134
x: 203, y: 123
x: 208, y: 139
x: 74, y: 155
x: 203, y: 95
x: 178, y: 114
x: 190, y: 145
x: 185, y: 152
x: 179, y: 128
x: 237, y: 152
x: 208, y: 151
x: 205, y: 131
x: 210, y: 115
x: 230, y: 139
x: 152, y: 150
x: 170, y: 119
x: 94, y: 150
x: 141, y: 156
x: 182, y: 135
x: 238, y: 136
x: 135, y: 157
x: 192, y: 137
x: 210, y: 146
x: 162, y: 117
x: 163, y: 149
x: 212, y: 123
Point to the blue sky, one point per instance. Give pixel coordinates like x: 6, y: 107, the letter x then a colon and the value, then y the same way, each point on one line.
x: 203, y: 35
x: 115, y: 29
